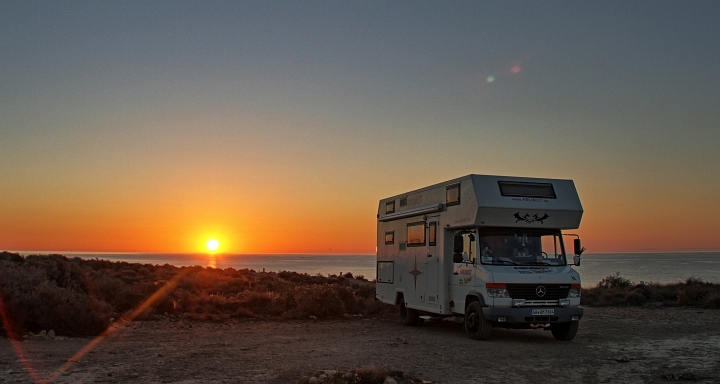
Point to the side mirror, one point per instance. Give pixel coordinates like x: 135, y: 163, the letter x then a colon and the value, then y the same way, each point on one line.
x: 457, y: 258
x: 458, y: 244
x: 577, y: 247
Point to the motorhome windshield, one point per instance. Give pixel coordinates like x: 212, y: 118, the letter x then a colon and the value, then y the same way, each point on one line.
x: 521, y: 247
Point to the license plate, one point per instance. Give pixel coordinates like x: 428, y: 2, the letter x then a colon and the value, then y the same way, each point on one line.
x: 542, y: 312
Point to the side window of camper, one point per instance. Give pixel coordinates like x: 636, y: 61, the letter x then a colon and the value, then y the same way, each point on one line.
x: 432, y: 233
x: 390, y: 207
x: 416, y: 234
x: 452, y: 194
x: 390, y: 237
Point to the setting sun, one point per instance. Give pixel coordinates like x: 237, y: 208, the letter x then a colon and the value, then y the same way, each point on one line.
x: 212, y: 245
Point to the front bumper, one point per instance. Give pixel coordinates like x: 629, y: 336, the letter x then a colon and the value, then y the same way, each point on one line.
x: 524, y: 314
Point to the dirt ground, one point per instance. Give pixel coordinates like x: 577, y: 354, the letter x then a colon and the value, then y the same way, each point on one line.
x: 629, y: 345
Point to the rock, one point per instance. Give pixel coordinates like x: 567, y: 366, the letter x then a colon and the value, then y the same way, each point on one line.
x: 112, y: 320
x: 51, y: 333
x: 322, y: 378
x: 426, y: 382
x: 389, y: 380
x: 303, y: 380
x: 313, y: 317
x: 313, y: 380
x: 688, y: 376
x: 348, y: 375
x: 347, y: 317
x: 42, y: 333
x: 623, y: 359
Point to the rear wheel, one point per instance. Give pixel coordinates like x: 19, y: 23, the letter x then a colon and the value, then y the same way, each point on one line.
x: 565, y: 331
x: 408, y: 316
x: 476, y: 326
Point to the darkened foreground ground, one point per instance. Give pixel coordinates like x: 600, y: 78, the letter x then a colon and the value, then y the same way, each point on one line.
x: 614, y: 345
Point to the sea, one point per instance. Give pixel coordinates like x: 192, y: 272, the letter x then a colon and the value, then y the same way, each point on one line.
x: 636, y: 267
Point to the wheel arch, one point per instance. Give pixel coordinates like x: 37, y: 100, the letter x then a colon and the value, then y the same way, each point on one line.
x: 399, y: 295
x: 474, y: 296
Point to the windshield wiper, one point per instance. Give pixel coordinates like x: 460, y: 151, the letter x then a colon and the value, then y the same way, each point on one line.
x: 503, y: 260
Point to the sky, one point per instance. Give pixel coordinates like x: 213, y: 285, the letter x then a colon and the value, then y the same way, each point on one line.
x: 276, y: 127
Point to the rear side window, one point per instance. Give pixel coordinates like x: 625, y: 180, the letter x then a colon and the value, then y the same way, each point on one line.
x: 452, y: 194
x: 416, y: 234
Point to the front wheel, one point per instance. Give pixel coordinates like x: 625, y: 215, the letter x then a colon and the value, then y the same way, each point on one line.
x: 476, y: 326
x: 565, y: 331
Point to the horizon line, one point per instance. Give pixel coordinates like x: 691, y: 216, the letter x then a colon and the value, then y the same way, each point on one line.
x: 56, y: 252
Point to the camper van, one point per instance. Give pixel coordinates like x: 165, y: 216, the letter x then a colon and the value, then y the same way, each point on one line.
x: 487, y: 249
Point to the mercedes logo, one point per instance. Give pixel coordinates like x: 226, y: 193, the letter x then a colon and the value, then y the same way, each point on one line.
x: 540, y: 291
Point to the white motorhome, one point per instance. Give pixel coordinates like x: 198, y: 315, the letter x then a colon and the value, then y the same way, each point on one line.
x: 486, y: 248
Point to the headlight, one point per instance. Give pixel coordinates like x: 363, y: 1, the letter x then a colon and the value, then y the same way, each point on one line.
x: 497, y: 290
x: 574, y: 291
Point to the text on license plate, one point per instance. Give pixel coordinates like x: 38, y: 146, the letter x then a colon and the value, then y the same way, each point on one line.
x: 543, y: 312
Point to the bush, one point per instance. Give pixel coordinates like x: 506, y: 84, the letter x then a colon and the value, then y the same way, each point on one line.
x: 615, y: 291
x: 614, y: 281
x: 79, y: 297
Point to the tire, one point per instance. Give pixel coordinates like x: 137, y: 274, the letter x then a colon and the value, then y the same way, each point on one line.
x: 565, y: 331
x: 476, y: 326
x: 408, y: 316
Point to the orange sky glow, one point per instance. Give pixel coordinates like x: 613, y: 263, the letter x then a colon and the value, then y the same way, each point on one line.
x: 127, y: 127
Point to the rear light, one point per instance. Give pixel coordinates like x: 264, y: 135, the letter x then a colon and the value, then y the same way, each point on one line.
x: 574, y: 291
x: 497, y: 290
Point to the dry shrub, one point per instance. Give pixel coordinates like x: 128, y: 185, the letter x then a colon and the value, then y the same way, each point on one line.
x: 614, y: 281
x: 617, y: 291
x: 78, y: 297
x: 262, y: 303
x: 321, y: 301
x: 49, y: 294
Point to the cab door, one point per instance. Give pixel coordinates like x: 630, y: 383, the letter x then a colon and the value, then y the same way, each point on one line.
x: 432, y: 261
x: 464, y: 273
